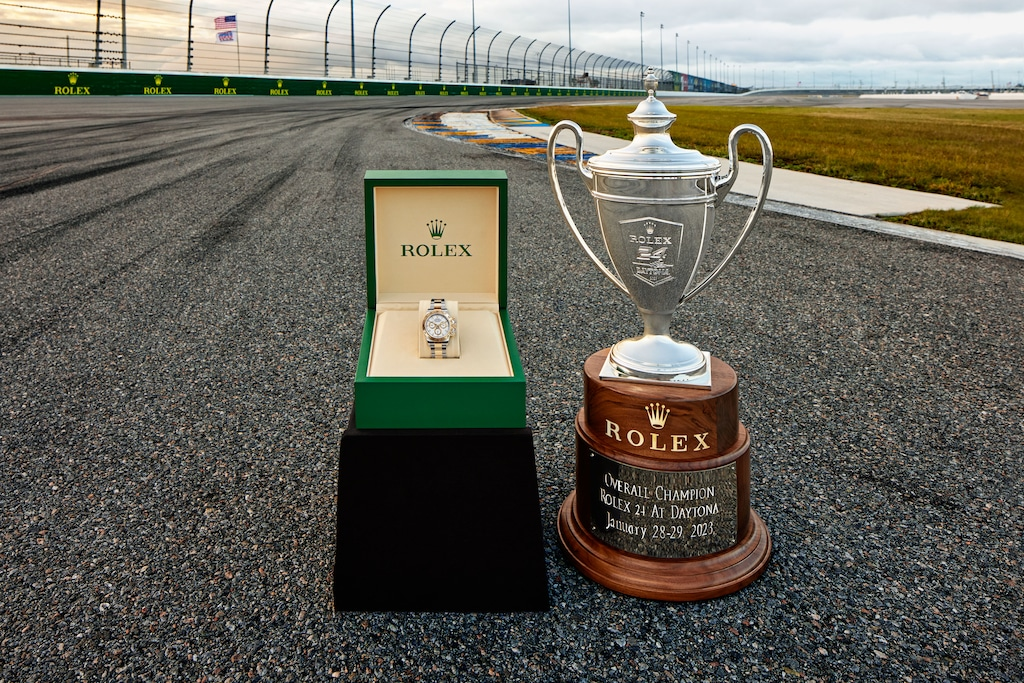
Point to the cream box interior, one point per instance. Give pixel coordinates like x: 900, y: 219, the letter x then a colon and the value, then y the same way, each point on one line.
x: 437, y: 242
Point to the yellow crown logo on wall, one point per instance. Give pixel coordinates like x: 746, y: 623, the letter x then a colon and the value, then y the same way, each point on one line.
x: 72, y: 78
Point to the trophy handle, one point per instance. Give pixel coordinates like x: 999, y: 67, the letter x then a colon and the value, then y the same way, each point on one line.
x: 588, y: 178
x: 723, y: 185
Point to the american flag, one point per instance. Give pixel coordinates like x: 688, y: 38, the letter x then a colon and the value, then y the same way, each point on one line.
x: 224, y: 23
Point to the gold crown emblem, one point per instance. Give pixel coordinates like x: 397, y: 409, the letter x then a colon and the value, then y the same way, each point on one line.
x: 657, y: 414
x: 436, y: 228
x: 225, y: 81
x: 158, y: 79
x: 72, y: 78
x: 324, y: 85
x: 280, y: 83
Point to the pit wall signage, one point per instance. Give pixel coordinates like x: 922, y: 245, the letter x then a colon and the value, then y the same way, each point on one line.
x: 88, y: 81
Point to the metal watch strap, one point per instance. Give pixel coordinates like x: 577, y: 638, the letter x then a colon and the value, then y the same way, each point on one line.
x: 433, y: 349
x: 438, y: 305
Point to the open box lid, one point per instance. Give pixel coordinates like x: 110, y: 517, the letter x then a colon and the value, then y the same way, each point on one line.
x: 436, y: 234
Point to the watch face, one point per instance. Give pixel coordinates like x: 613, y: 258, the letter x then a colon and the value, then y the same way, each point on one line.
x: 437, y: 327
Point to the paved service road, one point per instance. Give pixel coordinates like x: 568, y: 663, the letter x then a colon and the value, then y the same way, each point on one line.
x: 182, y: 291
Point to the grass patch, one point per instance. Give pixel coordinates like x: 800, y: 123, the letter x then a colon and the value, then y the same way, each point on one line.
x: 957, y: 152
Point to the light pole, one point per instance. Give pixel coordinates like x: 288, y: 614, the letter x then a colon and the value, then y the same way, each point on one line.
x: 661, y: 47
x: 473, y: 36
x: 641, y: 36
x: 568, y: 4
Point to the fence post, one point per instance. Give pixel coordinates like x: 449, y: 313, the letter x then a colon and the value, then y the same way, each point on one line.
x: 466, y: 56
x: 440, y: 46
x: 266, y: 41
x: 326, y: 24
x: 373, y: 44
x: 508, y: 55
x: 539, y: 57
x: 409, y: 77
x: 524, y: 58
x: 188, y: 48
x: 487, y: 73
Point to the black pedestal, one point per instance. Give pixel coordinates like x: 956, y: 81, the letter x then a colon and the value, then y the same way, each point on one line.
x: 438, y: 521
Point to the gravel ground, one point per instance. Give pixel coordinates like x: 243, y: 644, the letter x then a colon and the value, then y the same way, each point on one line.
x: 182, y: 292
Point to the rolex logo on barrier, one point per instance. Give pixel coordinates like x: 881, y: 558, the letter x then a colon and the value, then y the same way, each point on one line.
x: 158, y: 88
x: 73, y: 89
x: 657, y: 414
x: 225, y: 90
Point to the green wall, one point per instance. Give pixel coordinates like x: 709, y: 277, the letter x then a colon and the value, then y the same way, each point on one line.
x: 83, y: 82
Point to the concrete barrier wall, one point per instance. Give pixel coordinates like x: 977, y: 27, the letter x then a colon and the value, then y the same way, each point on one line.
x: 86, y: 82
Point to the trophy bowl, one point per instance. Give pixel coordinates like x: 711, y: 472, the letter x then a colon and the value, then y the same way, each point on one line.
x: 656, y: 207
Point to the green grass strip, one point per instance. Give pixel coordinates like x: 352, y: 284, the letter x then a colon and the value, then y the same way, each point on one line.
x: 973, y: 154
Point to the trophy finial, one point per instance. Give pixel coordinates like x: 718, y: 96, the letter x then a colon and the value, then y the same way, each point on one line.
x: 650, y: 81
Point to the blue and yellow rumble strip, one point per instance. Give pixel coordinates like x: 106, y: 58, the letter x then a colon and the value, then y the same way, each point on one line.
x: 495, y: 130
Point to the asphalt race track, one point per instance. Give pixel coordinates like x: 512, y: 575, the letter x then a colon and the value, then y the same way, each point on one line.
x: 182, y: 288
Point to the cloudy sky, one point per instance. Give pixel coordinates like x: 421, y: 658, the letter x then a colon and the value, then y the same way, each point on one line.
x: 879, y: 42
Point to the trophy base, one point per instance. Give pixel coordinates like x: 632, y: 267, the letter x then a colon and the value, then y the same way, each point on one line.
x: 699, y: 578
x: 661, y: 508
x: 701, y: 378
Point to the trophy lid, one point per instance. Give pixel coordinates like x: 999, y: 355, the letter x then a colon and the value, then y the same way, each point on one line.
x: 652, y: 150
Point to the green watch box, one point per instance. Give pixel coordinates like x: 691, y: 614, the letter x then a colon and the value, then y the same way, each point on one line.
x: 437, y: 235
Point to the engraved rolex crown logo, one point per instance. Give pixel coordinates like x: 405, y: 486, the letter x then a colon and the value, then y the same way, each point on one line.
x: 657, y: 414
x: 436, y: 228
x: 649, y: 227
x: 72, y: 78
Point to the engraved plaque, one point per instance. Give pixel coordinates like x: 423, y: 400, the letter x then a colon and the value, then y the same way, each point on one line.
x: 663, y: 514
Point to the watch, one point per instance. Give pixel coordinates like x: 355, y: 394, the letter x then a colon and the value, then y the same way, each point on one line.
x: 439, y: 328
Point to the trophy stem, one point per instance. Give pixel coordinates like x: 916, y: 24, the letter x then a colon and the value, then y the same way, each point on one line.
x: 656, y: 323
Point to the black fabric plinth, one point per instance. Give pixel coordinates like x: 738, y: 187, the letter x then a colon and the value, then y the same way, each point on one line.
x: 438, y: 520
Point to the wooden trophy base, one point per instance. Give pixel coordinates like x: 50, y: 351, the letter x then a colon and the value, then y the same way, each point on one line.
x: 661, y: 508
x: 672, y: 580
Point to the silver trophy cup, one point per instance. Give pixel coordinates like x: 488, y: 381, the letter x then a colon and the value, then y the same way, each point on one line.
x: 656, y: 208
